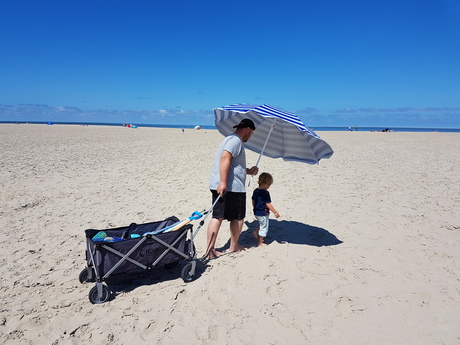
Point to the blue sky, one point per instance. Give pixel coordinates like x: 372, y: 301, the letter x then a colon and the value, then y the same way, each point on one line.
x: 391, y: 63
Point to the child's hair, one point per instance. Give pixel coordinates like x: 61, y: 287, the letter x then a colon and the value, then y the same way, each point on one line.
x: 265, y: 178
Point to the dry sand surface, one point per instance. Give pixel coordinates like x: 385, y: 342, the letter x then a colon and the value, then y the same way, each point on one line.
x: 366, y: 250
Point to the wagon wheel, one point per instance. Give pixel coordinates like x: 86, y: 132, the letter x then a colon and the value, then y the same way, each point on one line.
x: 94, y: 296
x: 84, y: 276
x: 185, y: 275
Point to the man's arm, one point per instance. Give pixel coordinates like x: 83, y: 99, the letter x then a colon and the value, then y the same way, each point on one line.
x: 224, y: 167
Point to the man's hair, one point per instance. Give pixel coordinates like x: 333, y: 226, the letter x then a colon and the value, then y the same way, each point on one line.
x: 265, y: 178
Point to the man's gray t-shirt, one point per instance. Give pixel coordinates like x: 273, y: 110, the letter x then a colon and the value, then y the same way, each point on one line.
x: 237, y: 173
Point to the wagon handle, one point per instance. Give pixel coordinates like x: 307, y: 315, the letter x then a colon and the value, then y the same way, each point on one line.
x: 196, y: 215
x: 207, y: 214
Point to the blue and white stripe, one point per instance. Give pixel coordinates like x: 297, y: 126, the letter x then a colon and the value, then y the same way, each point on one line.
x: 268, y: 111
x: 290, y: 139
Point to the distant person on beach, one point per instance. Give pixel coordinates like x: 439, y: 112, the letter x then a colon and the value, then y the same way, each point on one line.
x: 262, y: 204
x: 228, y: 178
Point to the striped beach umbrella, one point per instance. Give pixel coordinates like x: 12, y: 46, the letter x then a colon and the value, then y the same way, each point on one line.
x: 278, y: 134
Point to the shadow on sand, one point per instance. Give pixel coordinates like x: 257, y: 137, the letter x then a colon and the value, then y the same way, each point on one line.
x: 130, y: 281
x: 288, y: 232
x: 280, y: 231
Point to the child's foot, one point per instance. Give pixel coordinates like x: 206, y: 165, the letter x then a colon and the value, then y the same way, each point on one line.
x: 263, y: 244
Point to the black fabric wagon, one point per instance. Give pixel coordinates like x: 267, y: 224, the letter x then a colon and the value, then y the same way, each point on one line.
x: 137, y: 247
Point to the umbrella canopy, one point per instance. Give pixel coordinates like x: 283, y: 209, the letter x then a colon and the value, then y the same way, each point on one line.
x: 278, y: 134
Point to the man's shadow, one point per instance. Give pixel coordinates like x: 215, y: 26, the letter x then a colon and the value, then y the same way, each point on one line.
x: 288, y: 232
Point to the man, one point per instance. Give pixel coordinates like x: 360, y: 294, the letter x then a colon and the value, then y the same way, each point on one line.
x: 228, y: 178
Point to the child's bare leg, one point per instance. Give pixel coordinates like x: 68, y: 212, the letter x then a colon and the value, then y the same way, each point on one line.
x: 255, y: 233
x: 261, y: 242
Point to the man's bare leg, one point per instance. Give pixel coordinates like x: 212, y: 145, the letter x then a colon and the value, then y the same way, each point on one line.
x: 213, y: 231
x: 235, y: 230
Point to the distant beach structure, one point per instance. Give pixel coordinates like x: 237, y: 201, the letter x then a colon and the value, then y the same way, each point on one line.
x: 198, y: 127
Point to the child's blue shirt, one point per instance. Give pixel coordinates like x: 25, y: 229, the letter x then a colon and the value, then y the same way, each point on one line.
x: 261, y: 198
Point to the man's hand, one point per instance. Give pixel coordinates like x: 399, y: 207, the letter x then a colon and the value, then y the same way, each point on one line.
x: 221, y: 188
x: 253, y: 171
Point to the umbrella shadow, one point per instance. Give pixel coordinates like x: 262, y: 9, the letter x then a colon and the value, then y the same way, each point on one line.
x: 288, y: 232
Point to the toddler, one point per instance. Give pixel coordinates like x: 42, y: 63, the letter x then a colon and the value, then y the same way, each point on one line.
x: 262, y: 205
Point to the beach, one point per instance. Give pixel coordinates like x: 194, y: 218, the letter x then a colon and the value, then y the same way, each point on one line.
x: 365, y: 251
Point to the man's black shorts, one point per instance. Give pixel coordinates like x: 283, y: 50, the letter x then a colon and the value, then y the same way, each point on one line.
x: 230, y: 207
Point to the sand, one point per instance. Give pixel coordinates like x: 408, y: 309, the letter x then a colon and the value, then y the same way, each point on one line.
x: 365, y: 252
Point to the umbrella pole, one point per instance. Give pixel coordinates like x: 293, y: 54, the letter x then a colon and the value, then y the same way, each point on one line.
x: 263, y: 148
